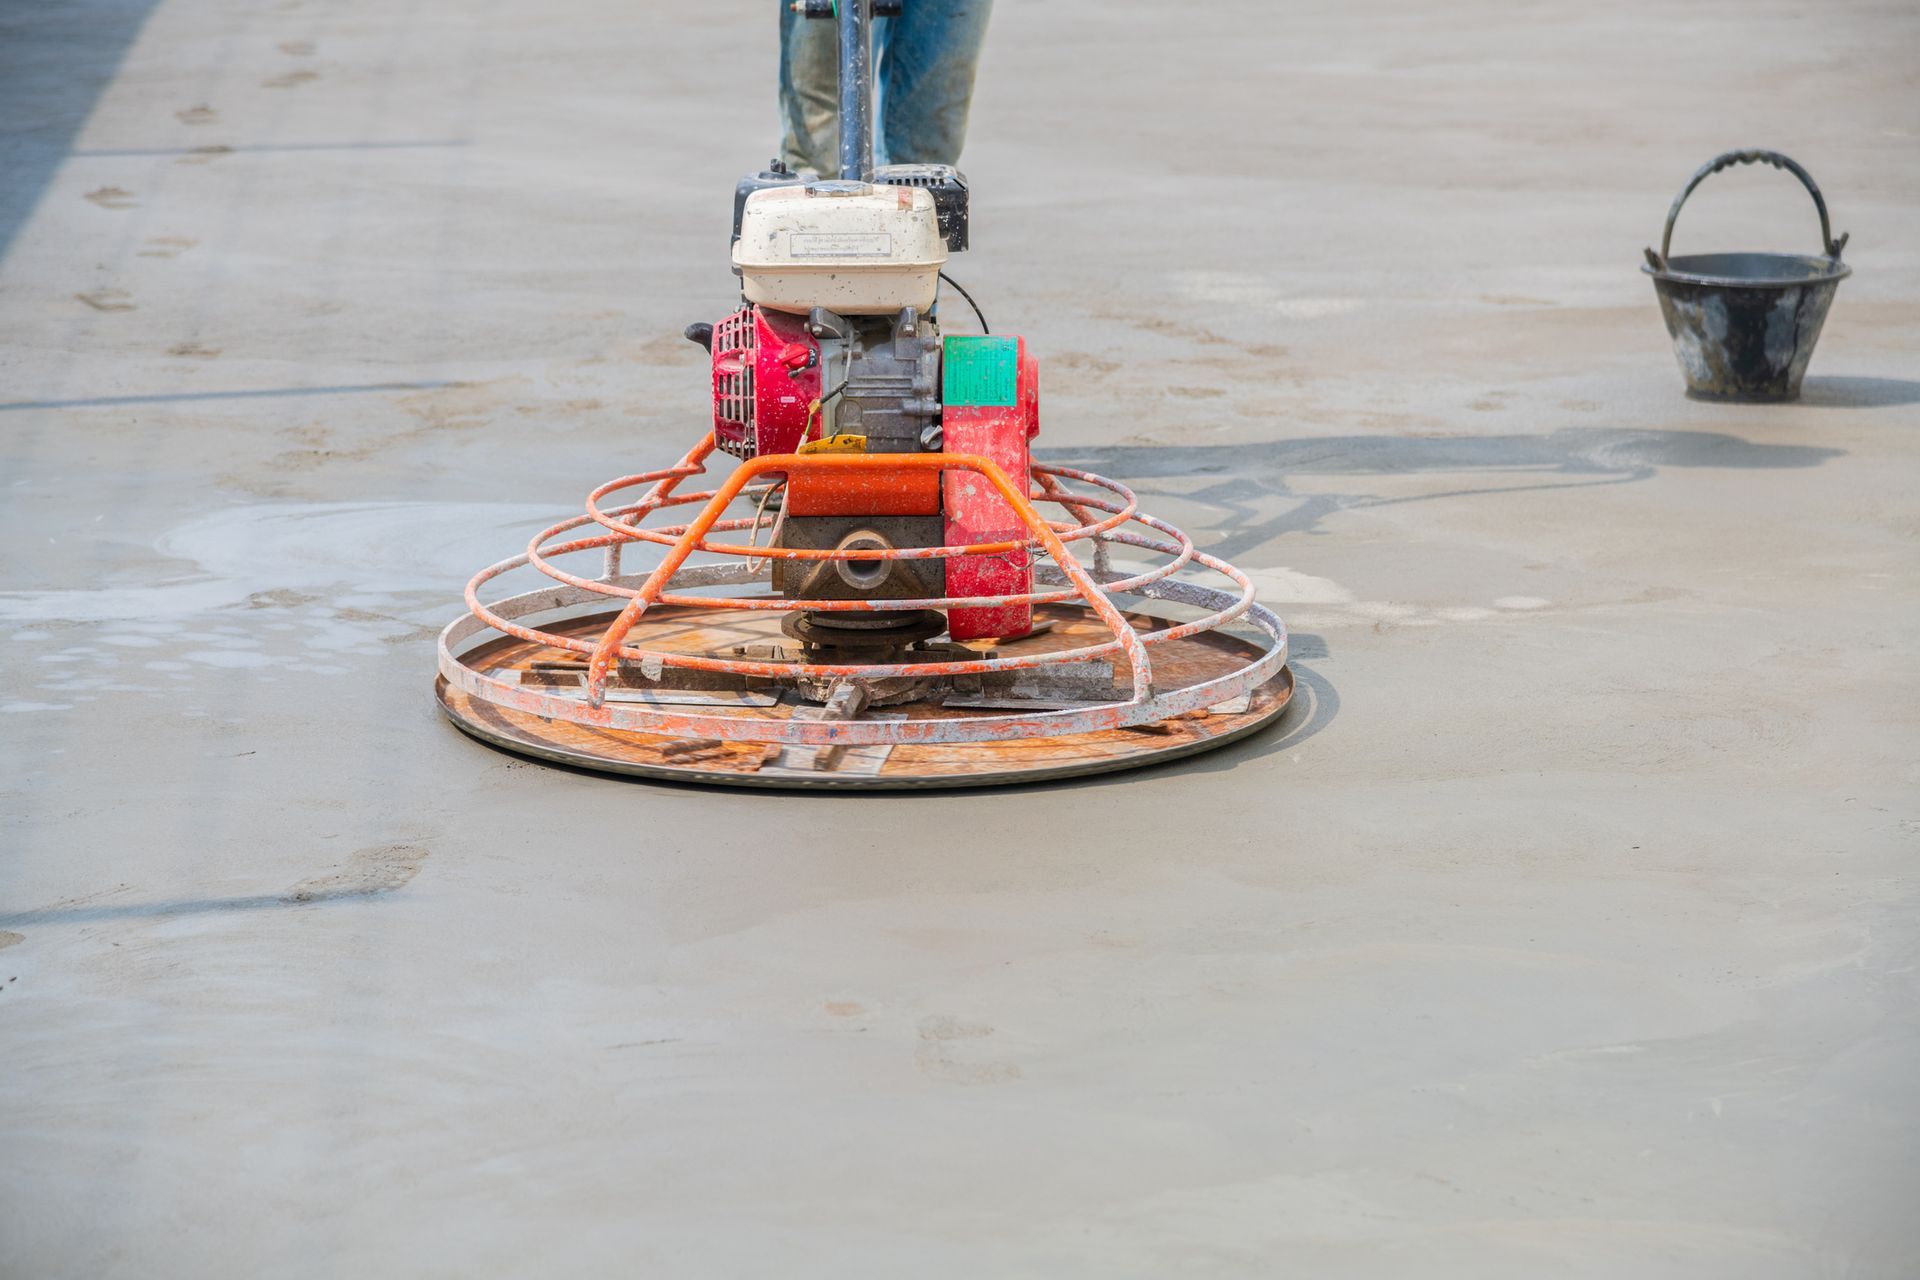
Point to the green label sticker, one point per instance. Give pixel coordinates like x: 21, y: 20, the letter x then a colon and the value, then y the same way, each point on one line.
x: 980, y: 370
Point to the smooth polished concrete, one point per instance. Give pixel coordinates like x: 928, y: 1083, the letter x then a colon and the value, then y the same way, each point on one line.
x: 1566, y: 929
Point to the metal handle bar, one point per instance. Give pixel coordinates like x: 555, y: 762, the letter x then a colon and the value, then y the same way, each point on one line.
x: 856, y: 90
x: 855, y: 20
x: 831, y: 8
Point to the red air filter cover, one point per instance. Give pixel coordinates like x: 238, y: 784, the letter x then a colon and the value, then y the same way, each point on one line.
x: 766, y: 371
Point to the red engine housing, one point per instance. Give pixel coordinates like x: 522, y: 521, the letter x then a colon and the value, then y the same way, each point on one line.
x: 766, y: 376
x: 766, y: 372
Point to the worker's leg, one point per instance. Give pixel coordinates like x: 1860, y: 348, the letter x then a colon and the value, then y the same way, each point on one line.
x: 926, y: 79
x: 809, y: 93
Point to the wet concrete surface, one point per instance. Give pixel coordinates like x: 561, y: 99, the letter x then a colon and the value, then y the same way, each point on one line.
x: 1567, y: 927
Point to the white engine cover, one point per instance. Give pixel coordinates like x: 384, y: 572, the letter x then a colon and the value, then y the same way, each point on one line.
x: 851, y: 247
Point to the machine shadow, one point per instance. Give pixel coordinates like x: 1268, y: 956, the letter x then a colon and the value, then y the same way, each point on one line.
x: 1251, y: 476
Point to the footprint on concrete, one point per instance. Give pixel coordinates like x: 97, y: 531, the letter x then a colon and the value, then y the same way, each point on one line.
x: 462, y: 404
x: 8, y: 938
x: 108, y: 300
x: 113, y: 198
x: 380, y: 869
x: 292, y: 79
x: 297, y: 48
x: 204, y: 155
x: 944, y: 1052
x: 200, y: 113
x: 671, y: 350
x: 564, y: 407
x: 167, y: 246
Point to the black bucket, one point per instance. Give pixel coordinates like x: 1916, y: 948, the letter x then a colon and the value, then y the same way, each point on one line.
x: 1744, y: 324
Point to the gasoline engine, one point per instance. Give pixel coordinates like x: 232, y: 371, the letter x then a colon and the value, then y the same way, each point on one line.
x: 838, y: 348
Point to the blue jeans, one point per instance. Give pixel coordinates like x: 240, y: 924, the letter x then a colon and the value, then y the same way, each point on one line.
x: 924, y: 63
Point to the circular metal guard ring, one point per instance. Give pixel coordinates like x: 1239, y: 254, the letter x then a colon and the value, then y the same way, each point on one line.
x: 516, y: 615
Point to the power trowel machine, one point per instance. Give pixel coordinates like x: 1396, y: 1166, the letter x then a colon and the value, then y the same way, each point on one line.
x: 921, y: 617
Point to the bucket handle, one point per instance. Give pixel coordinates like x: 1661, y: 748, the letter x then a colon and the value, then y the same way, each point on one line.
x: 1778, y: 161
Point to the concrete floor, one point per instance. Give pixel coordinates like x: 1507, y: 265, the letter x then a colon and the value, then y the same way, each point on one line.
x: 1567, y: 929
